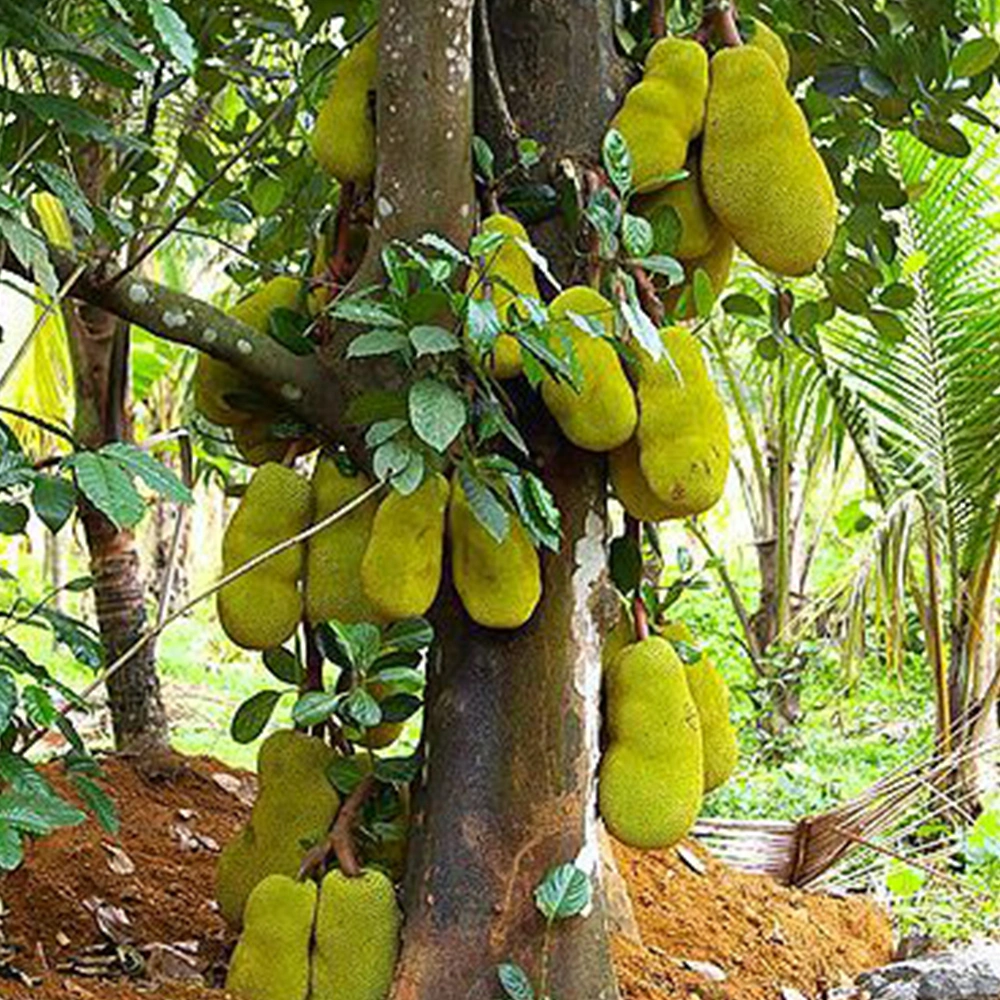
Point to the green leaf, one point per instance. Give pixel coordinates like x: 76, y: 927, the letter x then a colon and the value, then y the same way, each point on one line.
x: 942, y: 137
x: 704, y: 293
x: 390, y: 459
x: 284, y: 665
x: 315, y: 707
x: 267, y: 195
x: 253, y: 715
x: 515, y: 982
x: 637, y: 235
x: 397, y: 770
x: 362, y: 708
x: 669, y: 267
x: 898, y: 296
x: 483, y: 155
x: 642, y: 327
x: 409, y: 479
x: 376, y: 343
x: 108, y: 487
x: 13, y: 518
x: 54, y: 499
x: 888, y: 325
x: 974, y: 57
x: 198, y: 155
x: 67, y: 112
x: 32, y: 252
x: 98, y: 802
x: 154, y: 474
x: 617, y: 160
x: 529, y: 152
x: 489, y: 511
x: 437, y: 413
x: 11, y: 848
x: 626, y: 564
x: 411, y: 634
x: 288, y: 327
x: 37, y: 814
x: 741, y: 304
x: 77, y: 636
x: 173, y: 33
x: 432, y: 340
x: 399, y: 707
x: 8, y: 699
x: 564, y: 892
x: 769, y: 348
x: 346, y: 773
x: 66, y: 189
x: 364, y: 312
x: 399, y: 679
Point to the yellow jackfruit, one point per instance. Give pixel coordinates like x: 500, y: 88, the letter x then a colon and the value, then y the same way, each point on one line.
x: 630, y: 485
x: 769, y: 41
x: 683, y: 436
x: 356, y: 937
x: 602, y: 414
x: 343, y: 140
x: 717, y: 264
x: 699, y: 227
x: 508, y: 271
x: 665, y: 111
x: 217, y: 383
x: 271, y: 960
x: 401, y: 567
x: 295, y: 806
x: 262, y: 608
x: 720, y: 748
x: 650, y: 782
x: 333, y: 557
x: 499, y: 583
x: 760, y: 171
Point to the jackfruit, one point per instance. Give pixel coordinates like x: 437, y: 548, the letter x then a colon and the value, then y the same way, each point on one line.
x: 683, y: 436
x: 333, y: 557
x: 664, y: 111
x: 620, y: 635
x: 356, y: 938
x: 720, y: 748
x: 271, y: 960
x: 379, y: 736
x: 507, y: 272
x: 343, y: 139
x: 630, y: 486
x: 295, y: 806
x: 601, y: 415
x: 219, y: 388
x: 699, y: 227
x: 401, y: 567
x: 769, y: 41
x: 262, y: 608
x: 499, y: 583
x: 716, y: 264
x: 761, y: 174
x: 650, y: 782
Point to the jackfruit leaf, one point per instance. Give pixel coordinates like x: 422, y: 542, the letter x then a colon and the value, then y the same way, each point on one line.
x: 11, y: 848
x: 399, y: 707
x: 489, y: 511
x: 704, y: 293
x: 173, y: 33
x: 409, y: 634
x: 537, y: 509
x: 409, y: 479
x: 346, y: 773
x: 31, y: 250
x: 626, y: 564
x: 515, y: 982
x: 391, y: 458
x: 361, y: 641
x: 361, y: 708
x: 804, y: 318
x: 898, y: 296
x: 941, y: 137
x: 974, y: 57
x: 741, y: 304
x: 397, y: 770
x: 8, y: 698
x: 837, y: 81
x: 432, y: 340
x: 483, y: 324
x: 640, y: 325
x: 288, y: 327
x: 493, y: 421
x: 197, y: 153
x: 604, y: 212
x: 443, y: 246
x: 437, y: 413
x: 97, y: 800
x: 399, y: 679
x: 637, y: 235
x: 617, y: 160
x: 563, y: 893
x: 358, y: 310
x: 888, y: 325
x: 315, y: 707
x: 154, y: 474
x: 66, y: 189
x: 13, y: 518
x: 768, y: 348
x: 267, y: 195
x: 382, y: 431
x: 284, y: 665
x: 875, y: 82
x: 669, y: 267
x: 253, y: 715
x: 484, y: 157
x: 533, y: 202
x: 376, y: 343
x: 542, y: 263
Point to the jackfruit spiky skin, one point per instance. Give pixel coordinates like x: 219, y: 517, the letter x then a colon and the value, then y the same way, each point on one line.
x: 717, y: 264
x: 295, y: 807
x: 271, y: 960
x: 683, y: 435
x: 401, y: 567
x: 664, y: 111
x: 620, y: 635
x: 699, y: 227
x: 602, y: 414
x: 214, y: 380
x: 499, y: 583
x: 630, y: 485
x: 760, y: 171
x: 333, y: 557
x: 508, y: 265
x: 720, y: 747
x: 650, y: 783
x: 262, y: 608
x: 356, y: 937
x: 343, y: 140
x: 769, y: 41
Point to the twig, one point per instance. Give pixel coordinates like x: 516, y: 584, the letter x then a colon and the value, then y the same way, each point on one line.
x: 648, y: 299
x: 657, y: 18
x: 340, y: 840
x: 492, y: 71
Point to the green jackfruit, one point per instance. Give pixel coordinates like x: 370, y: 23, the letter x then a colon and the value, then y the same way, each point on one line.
x: 699, y: 228
x: 630, y: 485
x: 760, y: 171
x: 343, y: 140
x: 333, y: 557
x: 262, y: 608
x: 720, y: 748
x: 499, y: 583
x: 218, y: 387
x: 650, y: 782
x: 401, y: 567
x: 295, y: 806
x: 507, y: 272
x: 271, y: 960
x: 620, y: 635
x: 384, y: 733
x: 602, y: 414
x: 356, y: 937
x: 769, y: 41
x: 665, y: 111
x: 683, y: 436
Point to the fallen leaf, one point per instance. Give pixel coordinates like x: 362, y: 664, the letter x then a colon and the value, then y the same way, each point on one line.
x: 691, y: 860
x: 118, y: 861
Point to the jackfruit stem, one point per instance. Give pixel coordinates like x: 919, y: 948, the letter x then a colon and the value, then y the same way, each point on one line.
x: 657, y: 18
x: 650, y: 301
x: 340, y: 841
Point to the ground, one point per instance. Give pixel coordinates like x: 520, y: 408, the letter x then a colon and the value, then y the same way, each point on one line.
x: 86, y: 905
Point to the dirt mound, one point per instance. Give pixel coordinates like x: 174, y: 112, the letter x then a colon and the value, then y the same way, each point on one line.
x: 86, y: 909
